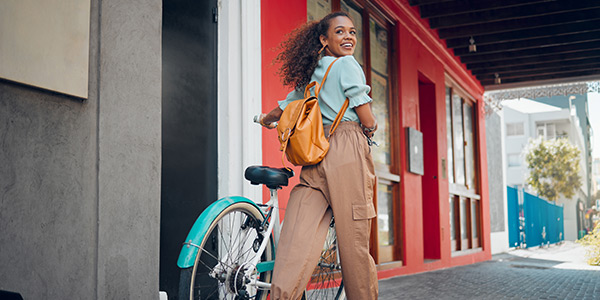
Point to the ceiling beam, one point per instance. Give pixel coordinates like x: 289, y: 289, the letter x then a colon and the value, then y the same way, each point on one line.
x: 542, y: 67
x: 523, y: 34
x: 559, y: 19
x: 530, y: 43
x: 454, y: 8
x: 569, y: 49
x: 527, y: 11
x: 563, y: 76
x: 425, y: 2
x: 522, y: 41
x: 540, y: 83
x: 532, y: 60
x: 538, y: 72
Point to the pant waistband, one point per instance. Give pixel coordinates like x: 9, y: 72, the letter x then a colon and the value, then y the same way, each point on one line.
x: 344, y: 126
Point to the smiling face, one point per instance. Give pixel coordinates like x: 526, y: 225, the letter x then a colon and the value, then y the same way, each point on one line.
x: 341, y: 37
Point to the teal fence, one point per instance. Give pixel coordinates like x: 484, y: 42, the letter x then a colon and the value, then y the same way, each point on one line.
x: 532, y: 221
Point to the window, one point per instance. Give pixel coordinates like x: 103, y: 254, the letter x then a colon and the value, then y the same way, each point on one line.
x: 463, y: 171
x: 514, y: 160
x: 373, y: 53
x: 374, y: 35
x: 514, y: 129
x: 546, y: 131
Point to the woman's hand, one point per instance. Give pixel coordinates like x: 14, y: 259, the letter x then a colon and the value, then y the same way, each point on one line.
x: 367, y: 120
x: 369, y: 131
x: 266, y: 120
x: 261, y: 121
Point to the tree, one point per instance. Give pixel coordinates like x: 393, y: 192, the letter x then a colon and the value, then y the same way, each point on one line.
x: 595, y: 196
x: 553, y: 168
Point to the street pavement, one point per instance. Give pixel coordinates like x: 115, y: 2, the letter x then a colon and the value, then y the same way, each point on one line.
x: 555, y: 272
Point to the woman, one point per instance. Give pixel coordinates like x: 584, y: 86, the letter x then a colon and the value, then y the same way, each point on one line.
x: 342, y: 183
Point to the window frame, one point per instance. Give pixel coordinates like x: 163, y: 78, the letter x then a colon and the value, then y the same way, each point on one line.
x: 545, y: 126
x: 508, y: 160
x: 459, y: 193
x: 515, y: 135
x: 392, y: 254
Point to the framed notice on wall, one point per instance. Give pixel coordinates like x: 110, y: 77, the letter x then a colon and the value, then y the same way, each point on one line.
x: 414, y: 143
x: 46, y: 44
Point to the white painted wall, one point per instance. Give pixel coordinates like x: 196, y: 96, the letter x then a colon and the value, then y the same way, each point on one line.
x: 239, y: 92
x: 499, y: 240
x: 515, y: 175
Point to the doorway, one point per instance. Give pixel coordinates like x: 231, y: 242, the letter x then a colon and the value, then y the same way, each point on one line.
x: 429, y: 180
x: 189, y: 126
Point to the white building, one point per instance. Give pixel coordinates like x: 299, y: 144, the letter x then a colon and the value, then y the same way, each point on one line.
x: 526, y: 119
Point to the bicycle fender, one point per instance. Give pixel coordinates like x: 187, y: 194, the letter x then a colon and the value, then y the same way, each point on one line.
x: 188, y: 253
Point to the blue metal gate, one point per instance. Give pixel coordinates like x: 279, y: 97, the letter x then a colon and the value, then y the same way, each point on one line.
x: 533, y: 221
x: 512, y: 197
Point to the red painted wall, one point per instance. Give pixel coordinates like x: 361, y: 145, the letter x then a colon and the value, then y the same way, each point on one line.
x: 278, y: 19
x: 420, y: 54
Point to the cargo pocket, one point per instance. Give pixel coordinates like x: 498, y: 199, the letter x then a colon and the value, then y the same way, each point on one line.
x: 363, y: 211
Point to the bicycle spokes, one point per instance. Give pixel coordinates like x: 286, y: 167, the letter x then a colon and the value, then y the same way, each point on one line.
x: 222, y: 273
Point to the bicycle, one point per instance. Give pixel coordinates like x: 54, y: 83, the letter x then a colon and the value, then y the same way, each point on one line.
x: 229, y: 252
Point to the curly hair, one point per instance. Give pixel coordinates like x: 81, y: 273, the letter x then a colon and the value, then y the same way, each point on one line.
x: 300, y: 51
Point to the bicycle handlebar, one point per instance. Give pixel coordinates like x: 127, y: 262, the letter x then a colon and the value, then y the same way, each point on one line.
x: 256, y: 120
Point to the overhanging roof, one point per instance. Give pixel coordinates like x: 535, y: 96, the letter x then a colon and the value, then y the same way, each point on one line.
x: 521, y: 42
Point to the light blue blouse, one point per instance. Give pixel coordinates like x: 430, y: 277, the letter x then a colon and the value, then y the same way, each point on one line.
x: 346, y: 79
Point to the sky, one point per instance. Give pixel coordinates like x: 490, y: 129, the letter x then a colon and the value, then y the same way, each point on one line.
x: 594, y: 113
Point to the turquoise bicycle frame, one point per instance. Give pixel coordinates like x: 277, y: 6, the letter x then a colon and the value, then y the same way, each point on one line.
x: 188, y: 253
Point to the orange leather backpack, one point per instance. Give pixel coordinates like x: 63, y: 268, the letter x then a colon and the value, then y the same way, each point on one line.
x: 300, y: 127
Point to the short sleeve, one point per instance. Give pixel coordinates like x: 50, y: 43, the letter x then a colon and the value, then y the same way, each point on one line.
x: 293, y: 95
x: 353, y: 82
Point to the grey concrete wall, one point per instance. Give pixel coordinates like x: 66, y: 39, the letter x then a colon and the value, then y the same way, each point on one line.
x: 47, y: 194
x: 80, y: 181
x: 129, y: 145
x: 497, y: 190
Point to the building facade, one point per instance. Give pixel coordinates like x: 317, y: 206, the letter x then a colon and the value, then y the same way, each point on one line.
x: 580, y: 105
x: 527, y: 119
x: 99, y: 191
x: 436, y: 219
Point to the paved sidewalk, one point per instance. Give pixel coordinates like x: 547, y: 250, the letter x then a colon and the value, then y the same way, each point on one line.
x: 557, y: 272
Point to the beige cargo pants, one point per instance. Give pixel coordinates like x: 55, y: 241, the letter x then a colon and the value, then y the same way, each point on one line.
x: 343, y: 184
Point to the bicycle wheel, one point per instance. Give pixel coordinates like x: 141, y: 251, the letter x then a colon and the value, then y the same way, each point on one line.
x: 231, y: 242
x: 326, y: 281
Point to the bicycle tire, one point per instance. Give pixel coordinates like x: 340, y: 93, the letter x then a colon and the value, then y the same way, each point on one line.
x: 237, y: 244
x: 326, y: 281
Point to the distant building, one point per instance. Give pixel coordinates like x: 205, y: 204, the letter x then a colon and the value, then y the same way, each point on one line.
x: 580, y: 103
x: 526, y: 119
x: 595, y: 181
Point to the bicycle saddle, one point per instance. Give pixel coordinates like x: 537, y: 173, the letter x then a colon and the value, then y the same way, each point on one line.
x: 273, y: 178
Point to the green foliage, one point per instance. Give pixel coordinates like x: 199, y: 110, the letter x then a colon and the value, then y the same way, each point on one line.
x: 592, y: 244
x: 553, y: 168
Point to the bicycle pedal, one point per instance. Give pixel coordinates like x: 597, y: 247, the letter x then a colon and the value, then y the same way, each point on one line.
x: 242, y: 295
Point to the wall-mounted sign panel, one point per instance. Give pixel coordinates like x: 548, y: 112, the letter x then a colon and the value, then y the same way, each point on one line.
x: 414, y: 143
x: 46, y: 44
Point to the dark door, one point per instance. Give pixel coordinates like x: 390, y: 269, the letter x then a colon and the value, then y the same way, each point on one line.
x: 429, y: 180
x: 189, y: 126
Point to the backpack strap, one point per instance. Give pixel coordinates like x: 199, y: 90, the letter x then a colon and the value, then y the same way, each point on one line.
x: 342, y: 111
x: 298, y: 111
x: 338, y: 118
x: 318, y: 88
